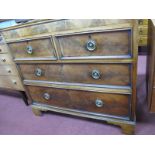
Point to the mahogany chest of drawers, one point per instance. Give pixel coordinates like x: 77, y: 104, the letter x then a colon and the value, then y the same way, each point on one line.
x: 85, y: 68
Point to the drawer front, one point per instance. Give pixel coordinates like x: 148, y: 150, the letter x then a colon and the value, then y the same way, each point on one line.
x: 142, y: 41
x: 38, y: 48
x: 6, y: 59
x: 101, y: 74
x: 111, y: 104
x: 3, y: 48
x: 11, y: 82
x: 111, y: 43
x: 143, y: 30
x: 8, y: 70
x: 143, y: 21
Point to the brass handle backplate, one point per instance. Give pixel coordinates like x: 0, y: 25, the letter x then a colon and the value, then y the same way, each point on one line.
x: 29, y: 49
x: 99, y: 103
x: 95, y: 74
x: 46, y: 96
x: 91, y: 45
x: 38, y: 72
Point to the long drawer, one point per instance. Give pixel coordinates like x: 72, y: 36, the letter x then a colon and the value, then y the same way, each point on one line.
x: 100, y: 103
x: 101, y: 74
x: 11, y: 82
x: 95, y: 44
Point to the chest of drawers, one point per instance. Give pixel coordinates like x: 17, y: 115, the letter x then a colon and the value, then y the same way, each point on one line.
x: 85, y: 68
x: 9, y: 77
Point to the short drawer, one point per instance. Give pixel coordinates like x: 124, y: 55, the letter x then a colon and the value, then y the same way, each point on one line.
x: 33, y: 49
x: 101, y: 74
x: 8, y: 70
x: 99, y: 103
x: 142, y: 40
x: 6, y: 59
x: 143, y: 30
x: 3, y: 48
x: 95, y: 45
x: 11, y: 82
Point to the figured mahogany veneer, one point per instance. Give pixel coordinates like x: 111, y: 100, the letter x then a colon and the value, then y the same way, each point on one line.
x: 113, y: 104
x: 110, y: 74
x: 41, y: 48
x: 109, y: 43
x: 79, y: 67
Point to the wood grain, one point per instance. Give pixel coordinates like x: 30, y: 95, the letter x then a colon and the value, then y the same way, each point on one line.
x: 40, y: 48
x: 152, y: 104
x: 151, y: 67
x: 110, y: 74
x: 8, y: 70
x: 142, y: 40
x: 107, y: 44
x: 6, y: 59
x: 143, y: 30
x: 11, y: 82
x: 3, y: 49
x: 29, y: 30
x: 68, y: 79
x: 114, y: 104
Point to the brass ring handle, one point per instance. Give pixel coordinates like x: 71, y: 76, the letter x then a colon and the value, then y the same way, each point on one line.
x: 96, y: 74
x: 29, y: 49
x: 38, y: 72
x: 46, y: 96
x: 99, y: 103
x: 91, y: 45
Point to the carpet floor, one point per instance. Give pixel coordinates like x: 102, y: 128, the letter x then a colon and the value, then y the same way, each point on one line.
x: 17, y: 119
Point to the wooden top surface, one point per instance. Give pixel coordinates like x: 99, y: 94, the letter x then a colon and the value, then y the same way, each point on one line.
x: 29, y: 23
x: 42, y: 21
